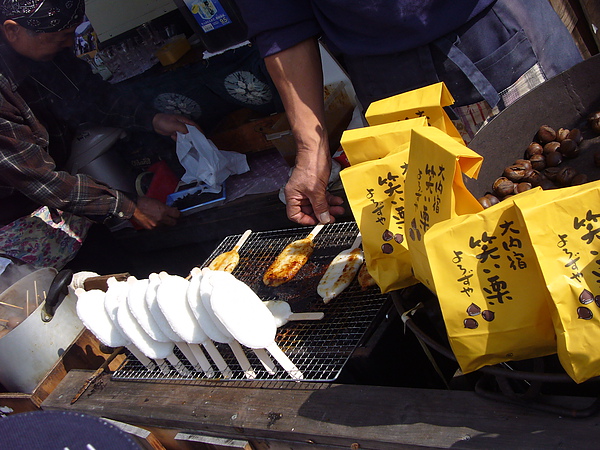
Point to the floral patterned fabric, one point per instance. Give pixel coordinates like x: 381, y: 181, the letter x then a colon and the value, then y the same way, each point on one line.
x: 45, y: 238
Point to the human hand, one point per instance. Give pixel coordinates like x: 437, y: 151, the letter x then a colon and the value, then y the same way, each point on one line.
x: 307, y: 199
x: 150, y: 213
x: 170, y: 124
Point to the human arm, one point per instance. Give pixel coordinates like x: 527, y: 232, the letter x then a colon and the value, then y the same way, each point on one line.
x: 37, y: 179
x: 171, y: 124
x: 26, y: 167
x: 150, y: 213
x: 298, y: 75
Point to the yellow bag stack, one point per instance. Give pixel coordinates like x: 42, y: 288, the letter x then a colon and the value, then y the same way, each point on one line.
x: 518, y: 280
x: 375, y: 183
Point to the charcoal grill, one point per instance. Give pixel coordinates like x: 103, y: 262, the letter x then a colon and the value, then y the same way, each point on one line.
x: 319, y: 349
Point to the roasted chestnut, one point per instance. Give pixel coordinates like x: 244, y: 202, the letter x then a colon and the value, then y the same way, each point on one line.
x: 503, y: 187
x: 533, y: 149
x: 493, y: 199
x: 485, y: 202
x: 580, y: 178
x: 546, y: 184
x: 554, y: 159
x: 575, y: 134
x: 535, y: 178
x: 561, y: 134
x: 522, y: 187
x: 594, y: 122
x: 569, y: 148
x: 565, y: 176
x: 552, y: 172
x: 518, y: 170
x: 550, y: 147
x: 546, y: 134
x: 538, y: 162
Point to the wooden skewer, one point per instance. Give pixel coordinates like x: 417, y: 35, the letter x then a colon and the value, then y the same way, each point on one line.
x: 11, y: 305
x: 27, y: 303
x: 3, y: 320
x: 36, y: 292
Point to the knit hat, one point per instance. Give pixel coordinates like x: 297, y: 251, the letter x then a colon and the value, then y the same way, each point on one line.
x: 43, y: 16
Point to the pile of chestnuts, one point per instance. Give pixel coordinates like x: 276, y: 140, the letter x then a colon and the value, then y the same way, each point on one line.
x: 541, y: 165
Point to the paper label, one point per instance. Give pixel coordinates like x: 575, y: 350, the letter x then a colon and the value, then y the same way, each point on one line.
x: 376, y: 193
x: 564, y: 228
x: 435, y: 189
x: 490, y: 287
x: 209, y: 14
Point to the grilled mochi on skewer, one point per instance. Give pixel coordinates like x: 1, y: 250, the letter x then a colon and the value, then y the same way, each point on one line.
x: 158, y: 351
x: 228, y: 261
x: 198, y: 358
x: 171, y: 296
x: 220, y: 333
x: 291, y: 259
x: 341, y: 271
x: 282, y: 312
x: 247, y: 318
x: 365, y: 280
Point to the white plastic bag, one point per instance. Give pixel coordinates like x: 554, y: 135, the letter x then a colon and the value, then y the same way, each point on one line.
x: 204, y: 162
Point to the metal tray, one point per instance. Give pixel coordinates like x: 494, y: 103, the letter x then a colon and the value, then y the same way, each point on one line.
x: 319, y: 349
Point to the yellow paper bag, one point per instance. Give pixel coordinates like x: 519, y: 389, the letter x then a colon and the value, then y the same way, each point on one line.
x: 564, y: 228
x: 367, y: 143
x: 491, y: 290
x: 424, y: 102
x: 435, y: 190
x: 375, y: 190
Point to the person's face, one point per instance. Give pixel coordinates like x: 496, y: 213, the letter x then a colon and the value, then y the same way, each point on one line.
x: 37, y: 46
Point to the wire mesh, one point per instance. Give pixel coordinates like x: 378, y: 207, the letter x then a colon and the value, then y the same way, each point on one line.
x: 319, y: 349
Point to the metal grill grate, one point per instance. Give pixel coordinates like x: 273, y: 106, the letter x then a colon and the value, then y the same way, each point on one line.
x: 318, y: 348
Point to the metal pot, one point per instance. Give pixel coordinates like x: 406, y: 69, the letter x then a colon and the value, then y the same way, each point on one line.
x: 32, y: 348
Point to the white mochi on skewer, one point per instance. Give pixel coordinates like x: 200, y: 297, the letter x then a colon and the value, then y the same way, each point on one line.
x: 152, y: 349
x: 171, y: 296
x: 115, y: 295
x: 195, y: 304
x: 282, y: 313
x: 90, y: 310
x: 247, y: 318
x: 221, y: 334
x: 199, y: 360
x: 92, y: 313
x: 136, y: 300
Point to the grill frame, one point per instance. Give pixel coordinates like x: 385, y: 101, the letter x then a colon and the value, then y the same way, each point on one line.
x: 320, y: 349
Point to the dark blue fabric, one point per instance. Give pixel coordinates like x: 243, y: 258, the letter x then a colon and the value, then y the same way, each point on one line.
x: 42, y: 430
x: 475, y: 61
x: 355, y: 27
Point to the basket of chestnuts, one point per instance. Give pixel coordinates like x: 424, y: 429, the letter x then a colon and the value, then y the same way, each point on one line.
x: 548, y: 138
x: 547, y: 163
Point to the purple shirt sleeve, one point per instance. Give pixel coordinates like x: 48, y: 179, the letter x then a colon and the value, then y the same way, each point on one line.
x: 355, y: 27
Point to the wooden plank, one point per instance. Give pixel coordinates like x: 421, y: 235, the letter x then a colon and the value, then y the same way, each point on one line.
x: 330, y: 415
x: 143, y: 437
x: 215, y: 442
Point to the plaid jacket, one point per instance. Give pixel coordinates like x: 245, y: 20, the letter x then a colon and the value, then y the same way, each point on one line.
x: 41, y: 104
